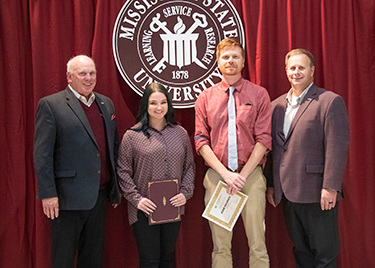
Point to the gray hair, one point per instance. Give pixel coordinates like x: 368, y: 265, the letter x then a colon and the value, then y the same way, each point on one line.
x: 69, y: 65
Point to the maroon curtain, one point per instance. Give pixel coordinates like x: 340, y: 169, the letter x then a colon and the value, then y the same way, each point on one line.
x: 37, y: 37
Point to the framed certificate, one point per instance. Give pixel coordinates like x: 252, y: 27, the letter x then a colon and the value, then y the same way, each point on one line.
x: 160, y: 192
x: 224, y: 209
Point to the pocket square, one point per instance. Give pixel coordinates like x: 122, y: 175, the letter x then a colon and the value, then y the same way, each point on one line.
x: 113, y: 117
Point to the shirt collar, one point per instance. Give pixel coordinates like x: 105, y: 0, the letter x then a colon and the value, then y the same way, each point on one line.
x: 238, y: 85
x: 82, y: 98
x: 296, y: 101
x: 167, y: 124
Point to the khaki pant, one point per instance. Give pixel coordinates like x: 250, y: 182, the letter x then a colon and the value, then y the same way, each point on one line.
x: 253, y: 218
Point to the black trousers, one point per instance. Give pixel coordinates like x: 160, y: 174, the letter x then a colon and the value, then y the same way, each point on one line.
x: 156, y: 243
x: 81, y: 230
x: 314, y: 233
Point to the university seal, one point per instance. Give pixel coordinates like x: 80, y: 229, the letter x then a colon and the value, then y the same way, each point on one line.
x: 173, y: 43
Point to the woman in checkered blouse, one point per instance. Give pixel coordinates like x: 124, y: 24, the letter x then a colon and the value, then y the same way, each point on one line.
x: 156, y: 148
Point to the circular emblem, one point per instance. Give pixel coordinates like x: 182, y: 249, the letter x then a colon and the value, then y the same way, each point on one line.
x: 173, y: 43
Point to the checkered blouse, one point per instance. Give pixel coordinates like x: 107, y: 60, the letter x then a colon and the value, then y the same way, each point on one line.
x: 166, y: 154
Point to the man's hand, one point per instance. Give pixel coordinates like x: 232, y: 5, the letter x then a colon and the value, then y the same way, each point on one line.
x: 146, y: 205
x: 328, y: 199
x: 51, y: 207
x: 271, y: 196
x: 234, y: 182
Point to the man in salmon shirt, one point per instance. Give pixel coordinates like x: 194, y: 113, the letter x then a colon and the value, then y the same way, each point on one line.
x: 234, y: 154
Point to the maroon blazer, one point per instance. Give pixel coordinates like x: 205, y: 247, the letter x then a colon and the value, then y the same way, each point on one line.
x: 314, y: 154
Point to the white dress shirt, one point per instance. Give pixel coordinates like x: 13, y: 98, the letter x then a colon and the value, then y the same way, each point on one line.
x: 293, y: 104
x: 85, y: 101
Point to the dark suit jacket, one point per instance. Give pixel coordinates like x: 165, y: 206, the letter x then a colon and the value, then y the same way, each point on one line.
x: 66, y: 155
x: 314, y: 154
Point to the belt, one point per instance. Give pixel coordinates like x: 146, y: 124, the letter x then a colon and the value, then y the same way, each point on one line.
x: 240, y: 167
x: 238, y: 170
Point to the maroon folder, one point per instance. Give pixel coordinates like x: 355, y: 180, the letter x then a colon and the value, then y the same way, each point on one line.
x: 160, y: 192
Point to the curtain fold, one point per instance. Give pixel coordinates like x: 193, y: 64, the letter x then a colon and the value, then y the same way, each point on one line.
x: 38, y: 37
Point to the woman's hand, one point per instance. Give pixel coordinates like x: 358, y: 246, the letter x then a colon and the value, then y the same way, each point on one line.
x: 178, y: 200
x: 146, y: 205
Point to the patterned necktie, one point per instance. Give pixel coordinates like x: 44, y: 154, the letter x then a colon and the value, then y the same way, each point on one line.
x: 232, y: 136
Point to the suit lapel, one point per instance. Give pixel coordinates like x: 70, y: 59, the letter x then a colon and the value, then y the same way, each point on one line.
x: 107, y: 116
x: 279, y: 112
x: 74, y: 104
x: 310, y: 96
x: 104, y: 112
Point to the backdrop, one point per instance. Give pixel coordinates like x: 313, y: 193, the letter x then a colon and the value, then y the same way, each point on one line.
x: 37, y: 37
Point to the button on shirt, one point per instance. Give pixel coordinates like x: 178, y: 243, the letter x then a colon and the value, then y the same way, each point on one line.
x: 167, y: 154
x: 253, y: 119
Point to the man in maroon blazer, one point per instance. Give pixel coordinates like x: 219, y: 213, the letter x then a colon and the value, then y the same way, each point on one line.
x: 310, y: 132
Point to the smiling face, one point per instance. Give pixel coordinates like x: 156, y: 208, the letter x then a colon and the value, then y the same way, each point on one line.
x: 157, y: 106
x: 299, y: 72
x: 231, y: 61
x: 82, y: 75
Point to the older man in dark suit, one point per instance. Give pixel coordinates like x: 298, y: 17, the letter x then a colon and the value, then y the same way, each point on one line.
x: 310, y: 132
x: 75, y: 149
